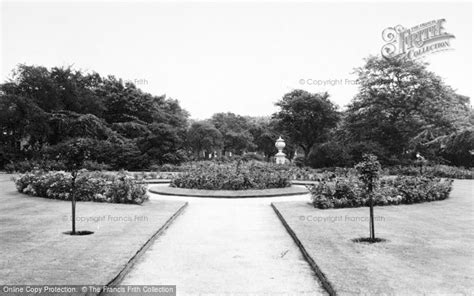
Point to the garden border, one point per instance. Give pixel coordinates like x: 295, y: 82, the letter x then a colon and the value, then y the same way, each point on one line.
x: 319, y: 273
x: 273, y: 192
x: 119, y: 277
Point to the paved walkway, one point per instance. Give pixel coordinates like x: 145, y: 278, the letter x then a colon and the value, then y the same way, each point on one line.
x: 227, y: 247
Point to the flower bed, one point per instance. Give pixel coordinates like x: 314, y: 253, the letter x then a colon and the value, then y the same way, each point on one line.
x: 232, y: 176
x: 345, y: 192
x: 90, y: 186
x: 441, y: 171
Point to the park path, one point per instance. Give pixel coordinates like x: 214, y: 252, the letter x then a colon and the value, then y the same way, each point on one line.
x: 226, y: 247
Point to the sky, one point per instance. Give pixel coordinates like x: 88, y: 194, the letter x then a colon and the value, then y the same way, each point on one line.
x: 226, y: 56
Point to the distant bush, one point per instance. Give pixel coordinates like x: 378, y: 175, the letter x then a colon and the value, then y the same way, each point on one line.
x: 441, y: 171
x: 329, y: 154
x: 299, y: 161
x: 252, y: 157
x: 344, y: 192
x: 91, y: 186
x: 232, y: 176
x: 50, y: 165
x: 29, y: 165
x: 95, y: 166
x: 166, y: 168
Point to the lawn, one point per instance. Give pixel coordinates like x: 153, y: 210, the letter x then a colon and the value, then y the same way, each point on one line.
x: 34, y: 250
x: 428, y: 248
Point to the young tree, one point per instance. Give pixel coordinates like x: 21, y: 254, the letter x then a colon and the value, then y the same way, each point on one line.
x: 369, y: 173
x: 73, y: 153
x: 306, y: 118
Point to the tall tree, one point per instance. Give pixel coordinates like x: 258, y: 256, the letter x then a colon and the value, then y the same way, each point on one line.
x: 401, y: 105
x: 235, y: 130
x: 306, y: 118
x: 204, y: 136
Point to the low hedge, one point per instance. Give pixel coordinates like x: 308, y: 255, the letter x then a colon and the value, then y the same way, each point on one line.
x: 346, y: 192
x: 90, y: 186
x: 232, y: 176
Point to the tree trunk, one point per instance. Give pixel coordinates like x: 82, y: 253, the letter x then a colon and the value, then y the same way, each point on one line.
x: 306, y: 151
x: 371, y: 204
x: 73, y: 199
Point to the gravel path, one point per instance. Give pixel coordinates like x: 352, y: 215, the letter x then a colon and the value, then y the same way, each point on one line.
x: 227, y: 247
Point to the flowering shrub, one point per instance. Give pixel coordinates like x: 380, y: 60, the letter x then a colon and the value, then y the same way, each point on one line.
x: 344, y: 192
x: 90, y: 186
x: 441, y: 171
x: 232, y: 176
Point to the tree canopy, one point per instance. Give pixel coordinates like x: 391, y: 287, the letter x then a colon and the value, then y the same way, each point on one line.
x: 306, y: 118
x: 402, y: 106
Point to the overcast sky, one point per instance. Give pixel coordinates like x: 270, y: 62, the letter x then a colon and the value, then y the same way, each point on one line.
x: 229, y: 56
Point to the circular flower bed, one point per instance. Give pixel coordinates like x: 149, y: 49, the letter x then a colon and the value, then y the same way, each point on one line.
x: 232, y: 176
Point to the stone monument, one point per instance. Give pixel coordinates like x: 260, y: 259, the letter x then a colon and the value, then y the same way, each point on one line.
x: 280, y: 157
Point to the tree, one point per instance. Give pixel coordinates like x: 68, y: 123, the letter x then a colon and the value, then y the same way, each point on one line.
x: 40, y: 107
x: 458, y: 148
x: 204, y: 136
x: 401, y: 106
x: 369, y: 174
x: 73, y: 153
x: 235, y: 131
x: 264, y: 135
x: 306, y: 118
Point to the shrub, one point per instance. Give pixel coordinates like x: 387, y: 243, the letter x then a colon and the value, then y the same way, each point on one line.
x: 441, y: 171
x: 232, y: 176
x: 252, y: 157
x: 90, y: 186
x: 329, y: 154
x: 166, y: 168
x: 95, y: 166
x: 29, y: 165
x: 344, y: 192
x: 299, y: 161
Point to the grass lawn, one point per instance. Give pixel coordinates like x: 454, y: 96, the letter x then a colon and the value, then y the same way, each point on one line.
x: 429, y: 247
x: 34, y: 250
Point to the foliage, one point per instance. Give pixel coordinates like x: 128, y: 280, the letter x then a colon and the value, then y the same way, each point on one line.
x: 235, y: 131
x: 41, y: 107
x: 252, y: 157
x: 90, y: 186
x: 344, y: 192
x: 204, y: 136
x: 328, y: 154
x: 30, y: 165
x: 402, y: 106
x: 232, y: 176
x: 369, y: 171
x: 440, y: 171
x: 459, y: 148
x: 306, y: 118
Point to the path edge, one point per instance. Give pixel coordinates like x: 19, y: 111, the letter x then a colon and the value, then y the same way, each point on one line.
x: 230, y: 194
x: 324, y: 281
x: 119, y: 277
